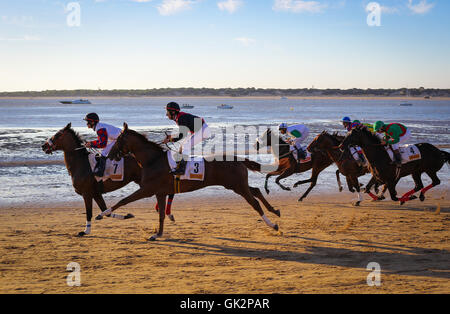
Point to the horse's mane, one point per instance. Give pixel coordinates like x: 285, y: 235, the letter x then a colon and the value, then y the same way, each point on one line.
x: 143, y: 138
x: 335, y: 136
x: 372, y: 136
x: 76, y: 136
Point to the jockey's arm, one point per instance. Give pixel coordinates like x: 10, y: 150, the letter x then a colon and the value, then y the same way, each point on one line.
x: 102, y: 140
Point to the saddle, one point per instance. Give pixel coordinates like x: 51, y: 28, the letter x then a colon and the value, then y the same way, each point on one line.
x: 114, y: 170
x: 408, y: 152
x: 307, y: 153
x: 195, y: 167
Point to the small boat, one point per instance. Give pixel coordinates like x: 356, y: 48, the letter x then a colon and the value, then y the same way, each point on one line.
x: 187, y: 106
x: 76, y: 102
x: 283, y: 98
x: 223, y: 106
x: 406, y: 105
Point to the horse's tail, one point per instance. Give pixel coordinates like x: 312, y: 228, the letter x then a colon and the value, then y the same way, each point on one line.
x: 252, y: 165
x: 445, y: 156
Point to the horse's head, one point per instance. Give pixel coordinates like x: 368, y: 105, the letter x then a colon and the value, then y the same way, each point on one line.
x: 264, y: 140
x: 321, y: 142
x: 56, y: 142
x: 120, y: 148
x: 353, y: 137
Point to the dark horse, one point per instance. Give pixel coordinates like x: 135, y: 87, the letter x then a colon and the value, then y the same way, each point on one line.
x: 77, y: 163
x: 385, y: 171
x: 156, y: 179
x: 287, y: 165
x: 347, y: 165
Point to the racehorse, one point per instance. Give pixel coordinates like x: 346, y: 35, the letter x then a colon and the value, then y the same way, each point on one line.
x: 156, y: 179
x: 287, y: 165
x: 384, y: 170
x: 83, y: 181
x: 346, y: 164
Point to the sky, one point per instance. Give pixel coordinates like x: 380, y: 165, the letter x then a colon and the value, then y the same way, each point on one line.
x: 140, y: 44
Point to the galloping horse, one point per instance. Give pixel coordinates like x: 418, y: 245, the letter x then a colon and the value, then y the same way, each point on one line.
x: 77, y: 164
x: 156, y: 179
x: 347, y: 165
x: 385, y: 171
x: 287, y: 165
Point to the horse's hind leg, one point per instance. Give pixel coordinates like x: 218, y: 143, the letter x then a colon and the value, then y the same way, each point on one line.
x: 435, y: 182
x: 139, y: 194
x: 410, y: 195
x: 257, y: 193
x: 287, y: 173
x: 247, y: 194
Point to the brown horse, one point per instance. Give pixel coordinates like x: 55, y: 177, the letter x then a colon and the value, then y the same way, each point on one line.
x: 382, y: 167
x: 287, y: 165
x: 156, y: 179
x: 83, y: 181
x: 346, y: 164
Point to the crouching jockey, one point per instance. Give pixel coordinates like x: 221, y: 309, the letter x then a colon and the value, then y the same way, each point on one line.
x: 107, y: 136
x: 192, y: 131
x: 298, y: 134
x: 395, y: 134
x: 354, y: 150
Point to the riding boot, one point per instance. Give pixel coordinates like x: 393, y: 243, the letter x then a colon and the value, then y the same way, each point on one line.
x: 181, y: 167
x: 301, y: 154
x: 397, y: 157
x: 99, y: 169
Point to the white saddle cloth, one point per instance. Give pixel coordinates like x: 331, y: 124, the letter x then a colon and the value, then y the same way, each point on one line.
x: 308, y: 155
x: 114, y: 170
x: 409, y: 153
x: 195, y: 167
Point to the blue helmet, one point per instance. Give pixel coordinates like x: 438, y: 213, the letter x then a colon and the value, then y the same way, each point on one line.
x: 347, y: 119
x: 283, y: 126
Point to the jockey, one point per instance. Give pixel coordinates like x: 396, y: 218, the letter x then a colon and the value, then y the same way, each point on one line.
x: 107, y: 136
x: 298, y: 134
x: 395, y: 134
x: 193, y: 130
x: 347, y: 122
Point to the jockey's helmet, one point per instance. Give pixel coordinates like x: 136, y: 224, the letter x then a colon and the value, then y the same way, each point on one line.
x: 378, y: 126
x: 173, y: 106
x: 283, y: 126
x: 92, y: 117
x: 347, y: 119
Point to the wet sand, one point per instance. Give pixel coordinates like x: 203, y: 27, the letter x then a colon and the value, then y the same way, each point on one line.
x: 220, y: 245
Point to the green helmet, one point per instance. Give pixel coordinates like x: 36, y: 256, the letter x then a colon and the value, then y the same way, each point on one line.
x: 377, y: 126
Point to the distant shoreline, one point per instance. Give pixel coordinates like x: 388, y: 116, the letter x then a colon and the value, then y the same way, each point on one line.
x: 400, y: 98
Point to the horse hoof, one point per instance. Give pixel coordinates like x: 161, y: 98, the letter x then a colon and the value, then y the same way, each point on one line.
x: 99, y: 217
x: 171, y: 217
x: 357, y: 203
x: 381, y: 198
x: 300, y: 199
x: 422, y: 197
x: 295, y: 186
x: 277, y: 212
x: 267, y: 192
x: 341, y: 189
x: 153, y: 237
x: 402, y: 202
x: 81, y: 234
x: 412, y: 197
x: 129, y: 216
x: 287, y: 189
x: 275, y: 227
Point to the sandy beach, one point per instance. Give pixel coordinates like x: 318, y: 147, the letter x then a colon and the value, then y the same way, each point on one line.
x: 220, y: 245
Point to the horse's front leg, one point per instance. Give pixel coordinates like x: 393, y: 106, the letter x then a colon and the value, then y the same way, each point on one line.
x: 88, y: 206
x: 162, y: 214
x: 139, y: 194
x: 338, y: 178
x: 102, y: 205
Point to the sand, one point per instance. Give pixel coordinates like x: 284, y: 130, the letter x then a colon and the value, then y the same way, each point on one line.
x: 220, y: 245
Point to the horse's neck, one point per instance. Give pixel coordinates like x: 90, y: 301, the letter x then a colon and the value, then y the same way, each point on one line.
x: 333, y: 153
x: 373, y: 153
x: 75, y: 160
x: 145, y: 154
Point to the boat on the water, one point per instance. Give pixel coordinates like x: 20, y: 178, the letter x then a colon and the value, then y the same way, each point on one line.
x: 187, y: 106
x: 77, y: 101
x: 406, y: 105
x: 223, y: 106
